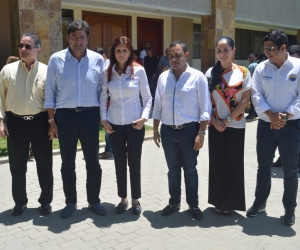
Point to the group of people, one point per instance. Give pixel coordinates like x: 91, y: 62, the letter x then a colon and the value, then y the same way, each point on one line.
x: 67, y: 99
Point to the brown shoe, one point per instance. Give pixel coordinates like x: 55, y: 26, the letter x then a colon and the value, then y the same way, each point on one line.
x: 105, y: 155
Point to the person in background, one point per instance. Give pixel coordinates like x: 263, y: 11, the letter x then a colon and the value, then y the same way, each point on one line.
x: 230, y: 86
x: 163, y: 64
x: 136, y: 55
x: 150, y: 64
x: 124, y: 119
x: 22, y: 96
x: 108, y: 149
x: 252, y: 65
x: 143, y: 53
x: 275, y: 96
x: 294, y: 51
x: 74, y: 79
x: 183, y: 105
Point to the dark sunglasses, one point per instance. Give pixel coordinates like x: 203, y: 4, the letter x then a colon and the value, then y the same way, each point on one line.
x: 27, y: 46
x: 269, y: 49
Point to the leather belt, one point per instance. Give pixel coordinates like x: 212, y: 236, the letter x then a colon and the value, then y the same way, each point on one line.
x: 77, y: 109
x: 27, y: 117
x: 185, y: 125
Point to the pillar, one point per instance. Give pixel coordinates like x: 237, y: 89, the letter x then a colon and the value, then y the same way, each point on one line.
x: 220, y: 23
x: 42, y: 17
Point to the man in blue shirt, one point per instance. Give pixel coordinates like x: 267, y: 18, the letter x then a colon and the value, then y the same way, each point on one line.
x: 73, y: 90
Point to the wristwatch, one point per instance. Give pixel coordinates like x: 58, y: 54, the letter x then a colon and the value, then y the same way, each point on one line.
x: 228, y: 118
x: 50, y: 120
x: 202, y: 132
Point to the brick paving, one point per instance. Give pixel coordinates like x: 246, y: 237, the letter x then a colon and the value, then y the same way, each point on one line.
x: 85, y: 230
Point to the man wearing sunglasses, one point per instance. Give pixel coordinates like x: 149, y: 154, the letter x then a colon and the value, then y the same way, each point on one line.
x: 276, y: 98
x: 22, y: 95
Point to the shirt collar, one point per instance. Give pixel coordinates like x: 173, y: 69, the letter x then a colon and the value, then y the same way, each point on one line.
x: 69, y: 54
x: 188, y: 68
x: 128, y: 69
x: 31, y: 67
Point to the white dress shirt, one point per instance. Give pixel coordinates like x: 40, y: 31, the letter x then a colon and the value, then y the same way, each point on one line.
x: 124, y: 91
x: 183, y: 101
x: 277, y: 89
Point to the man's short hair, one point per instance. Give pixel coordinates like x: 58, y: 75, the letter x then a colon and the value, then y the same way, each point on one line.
x: 101, y: 51
x: 278, y: 37
x: 179, y: 42
x: 37, y: 40
x: 294, y: 49
x: 78, y: 25
x: 251, y: 56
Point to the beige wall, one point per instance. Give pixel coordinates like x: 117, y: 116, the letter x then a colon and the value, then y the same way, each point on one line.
x: 182, y: 29
x: 167, y: 20
x: 5, y: 48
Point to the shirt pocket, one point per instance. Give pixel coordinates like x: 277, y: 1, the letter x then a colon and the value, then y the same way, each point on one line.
x: 39, y: 86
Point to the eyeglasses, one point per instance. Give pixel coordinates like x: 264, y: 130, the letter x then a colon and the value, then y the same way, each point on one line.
x: 268, y: 49
x: 176, y: 57
x: 225, y: 51
x: 27, y: 46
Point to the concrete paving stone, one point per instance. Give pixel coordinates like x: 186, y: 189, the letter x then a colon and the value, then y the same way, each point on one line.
x: 37, y: 241
x: 125, y: 245
x: 17, y: 240
x: 53, y: 243
x: 89, y: 244
x: 107, y: 244
x: 71, y: 243
x: 126, y: 237
x: 110, y: 236
x: 72, y: 236
x: 145, y: 245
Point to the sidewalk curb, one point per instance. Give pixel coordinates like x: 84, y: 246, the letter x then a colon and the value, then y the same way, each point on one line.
x: 4, y: 160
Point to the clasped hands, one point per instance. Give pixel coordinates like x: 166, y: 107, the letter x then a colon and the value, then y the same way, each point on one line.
x: 277, y: 121
x: 137, y: 124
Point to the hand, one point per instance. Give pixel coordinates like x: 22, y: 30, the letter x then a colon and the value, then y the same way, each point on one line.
x: 3, y: 130
x: 138, y: 124
x: 198, y: 142
x: 219, y: 125
x: 156, y: 138
x: 108, y: 128
x: 276, y: 120
x: 52, y: 131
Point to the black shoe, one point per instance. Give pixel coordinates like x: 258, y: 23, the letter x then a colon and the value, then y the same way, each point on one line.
x: 121, y: 208
x: 255, y: 209
x: 45, y: 209
x: 277, y: 163
x: 98, y: 209
x: 196, y: 212
x: 18, y: 209
x: 169, y: 209
x: 68, y: 210
x: 136, y: 209
x: 289, y: 218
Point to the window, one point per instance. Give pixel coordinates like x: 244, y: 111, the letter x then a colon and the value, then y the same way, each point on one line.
x: 250, y: 41
x: 196, y: 41
x: 67, y: 17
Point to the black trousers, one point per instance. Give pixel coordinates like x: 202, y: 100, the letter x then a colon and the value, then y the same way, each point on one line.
x: 126, y: 143
x: 226, y: 168
x: 82, y: 125
x: 21, y: 134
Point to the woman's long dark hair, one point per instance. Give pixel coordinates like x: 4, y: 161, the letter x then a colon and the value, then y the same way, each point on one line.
x: 215, y: 77
x: 130, y: 62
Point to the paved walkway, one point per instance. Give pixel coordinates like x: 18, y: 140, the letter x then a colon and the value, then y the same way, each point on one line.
x: 85, y: 230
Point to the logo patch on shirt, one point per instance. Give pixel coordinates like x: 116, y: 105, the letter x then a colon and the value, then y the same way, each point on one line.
x: 292, y: 77
x: 267, y: 77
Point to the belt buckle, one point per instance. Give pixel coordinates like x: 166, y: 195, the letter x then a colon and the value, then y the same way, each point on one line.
x: 27, y: 117
x: 78, y: 110
x: 177, y: 126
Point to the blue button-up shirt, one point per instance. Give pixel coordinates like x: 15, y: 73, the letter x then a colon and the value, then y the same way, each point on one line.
x: 71, y: 83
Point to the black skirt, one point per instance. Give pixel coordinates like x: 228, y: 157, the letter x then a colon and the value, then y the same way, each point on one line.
x: 226, y: 187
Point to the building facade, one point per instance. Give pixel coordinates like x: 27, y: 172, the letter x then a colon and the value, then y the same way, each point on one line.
x: 197, y: 22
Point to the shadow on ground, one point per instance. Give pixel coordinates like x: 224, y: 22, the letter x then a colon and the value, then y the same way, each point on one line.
x: 260, y: 225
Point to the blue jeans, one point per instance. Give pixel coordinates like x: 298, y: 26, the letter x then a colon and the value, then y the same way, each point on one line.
x: 178, y: 147
x: 83, y: 125
x: 108, y: 148
x: 288, y: 141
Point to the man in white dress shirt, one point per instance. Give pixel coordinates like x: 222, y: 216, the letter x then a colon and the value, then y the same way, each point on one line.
x: 276, y: 98
x: 182, y: 104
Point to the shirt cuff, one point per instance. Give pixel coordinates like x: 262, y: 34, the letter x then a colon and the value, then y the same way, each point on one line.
x: 156, y: 115
x: 293, y: 110
x: 262, y: 108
